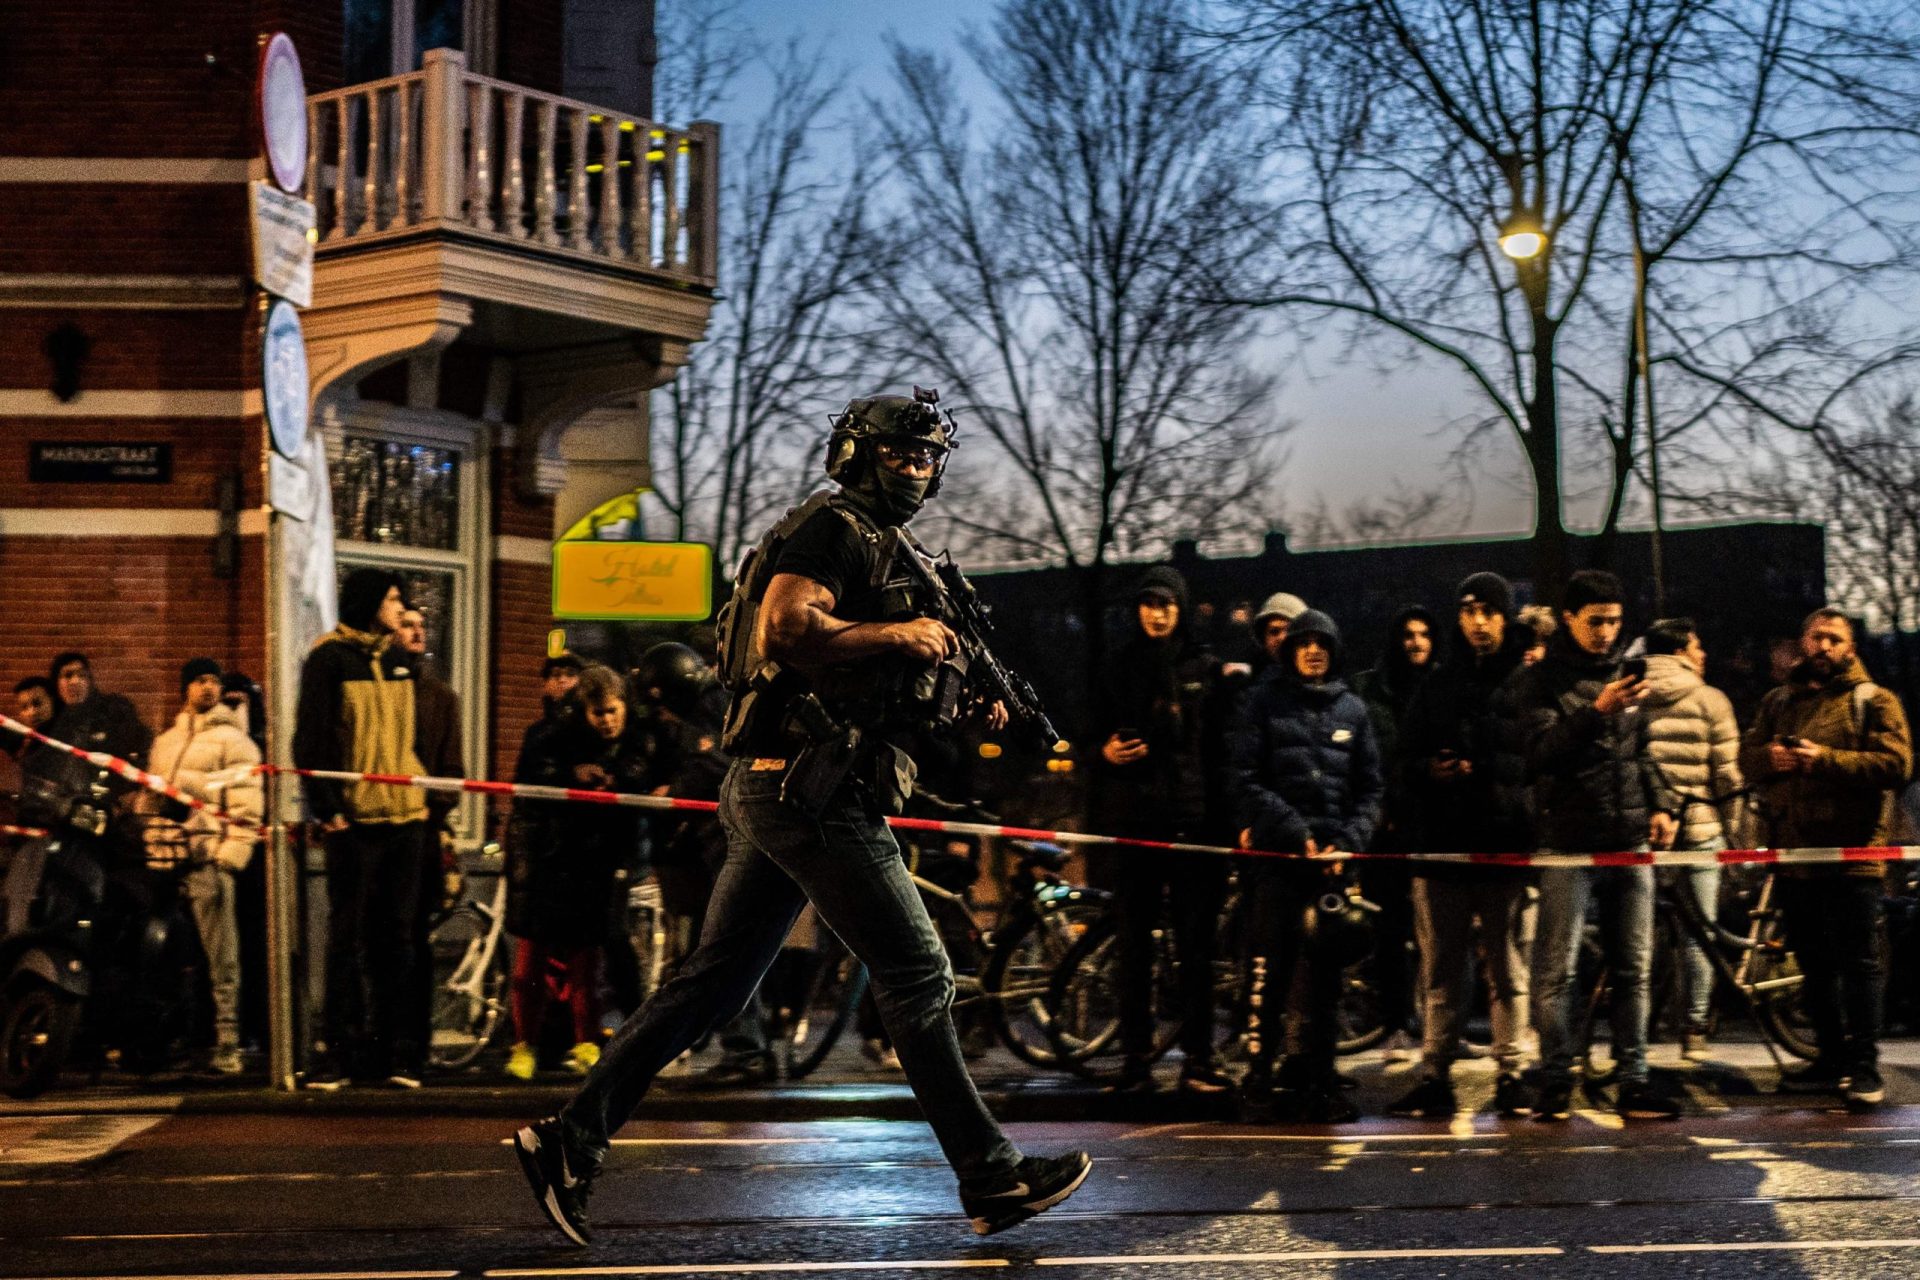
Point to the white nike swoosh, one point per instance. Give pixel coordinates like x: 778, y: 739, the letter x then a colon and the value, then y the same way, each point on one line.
x: 1016, y: 1193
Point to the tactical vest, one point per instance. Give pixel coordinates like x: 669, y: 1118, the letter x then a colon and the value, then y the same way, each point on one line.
x: 759, y: 687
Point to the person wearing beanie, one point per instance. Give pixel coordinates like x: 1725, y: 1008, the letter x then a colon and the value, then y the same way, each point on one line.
x: 1304, y: 766
x: 1156, y: 777
x: 1407, y: 662
x: 1270, y: 625
x: 208, y: 754
x: 357, y: 713
x: 1462, y: 762
x: 94, y: 720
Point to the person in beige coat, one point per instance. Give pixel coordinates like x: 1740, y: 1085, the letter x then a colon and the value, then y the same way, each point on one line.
x: 1694, y: 741
x: 208, y: 755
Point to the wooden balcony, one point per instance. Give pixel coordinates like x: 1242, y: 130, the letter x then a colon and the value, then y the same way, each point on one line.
x: 575, y: 244
x: 444, y: 151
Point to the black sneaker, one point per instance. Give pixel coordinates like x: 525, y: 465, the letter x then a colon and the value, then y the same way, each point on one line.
x: 1865, y: 1089
x: 1328, y: 1104
x: 1555, y: 1102
x: 1818, y: 1076
x: 1431, y: 1099
x: 560, y: 1185
x: 1511, y: 1097
x: 1033, y: 1186
x: 1640, y: 1100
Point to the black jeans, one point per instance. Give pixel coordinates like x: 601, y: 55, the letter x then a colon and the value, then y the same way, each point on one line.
x: 846, y: 863
x: 1280, y: 898
x: 1389, y: 885
x: 373, y: 895
x: 1836, y: 925
x: 1144, y: 880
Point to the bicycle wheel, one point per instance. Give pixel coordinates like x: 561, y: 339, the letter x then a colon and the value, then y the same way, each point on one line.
x: 1013, y: 984
x: 468, y: 999
x: 1777, y: 987
x: 1083, y: 1002
x: 828, y: 1000
x: 1362, y: 1014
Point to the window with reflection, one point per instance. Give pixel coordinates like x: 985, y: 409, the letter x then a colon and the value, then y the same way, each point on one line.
x: 399, y: 494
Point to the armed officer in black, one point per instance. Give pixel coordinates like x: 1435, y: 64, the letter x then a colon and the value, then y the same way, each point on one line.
x: 827, y: 673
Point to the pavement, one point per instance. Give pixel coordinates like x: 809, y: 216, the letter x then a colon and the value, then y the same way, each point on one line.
x: 1740, y: 1075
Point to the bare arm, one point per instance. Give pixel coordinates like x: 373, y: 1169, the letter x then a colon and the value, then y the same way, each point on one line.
x: 797, y: 625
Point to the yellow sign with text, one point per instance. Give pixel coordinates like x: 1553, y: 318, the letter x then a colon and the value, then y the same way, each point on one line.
x: 633, y: 581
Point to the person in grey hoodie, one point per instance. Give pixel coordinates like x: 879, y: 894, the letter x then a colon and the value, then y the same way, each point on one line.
x: 1693, y: 741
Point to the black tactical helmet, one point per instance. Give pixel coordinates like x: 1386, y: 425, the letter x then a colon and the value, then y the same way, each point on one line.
x: 673, y: 676
x: 915, y: 419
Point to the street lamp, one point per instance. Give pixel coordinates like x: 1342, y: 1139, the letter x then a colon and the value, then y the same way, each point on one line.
x: 1521, y: 238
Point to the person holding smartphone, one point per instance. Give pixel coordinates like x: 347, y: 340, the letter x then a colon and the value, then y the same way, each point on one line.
x: 1594, y: 791
x: 1160, y: 727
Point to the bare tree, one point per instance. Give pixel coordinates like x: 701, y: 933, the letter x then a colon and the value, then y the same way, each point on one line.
x: 1049, y: 287
x: 1400, y: 514
x: 1650, y: 136
x: 802, y: 250
x: 1861, y: 480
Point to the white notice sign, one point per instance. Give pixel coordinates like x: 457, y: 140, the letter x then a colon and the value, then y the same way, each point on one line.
x: 282, y: 243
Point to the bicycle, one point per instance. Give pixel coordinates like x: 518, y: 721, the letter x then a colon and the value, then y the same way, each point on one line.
x: 1757, y: 965
x: 1083, y: 995
x: 471, y: 976
x: 1001, y: 973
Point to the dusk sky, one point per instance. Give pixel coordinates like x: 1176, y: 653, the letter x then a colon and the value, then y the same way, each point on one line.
x: 1357, y: 432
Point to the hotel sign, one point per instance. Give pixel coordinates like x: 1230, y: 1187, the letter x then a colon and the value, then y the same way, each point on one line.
x: 90, y: 462
x: 633, y: 581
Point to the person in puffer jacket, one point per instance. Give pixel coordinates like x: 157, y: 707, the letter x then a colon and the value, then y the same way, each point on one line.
x: 1306, y: 778
x: 209, y: 755
x: 1693, y: 744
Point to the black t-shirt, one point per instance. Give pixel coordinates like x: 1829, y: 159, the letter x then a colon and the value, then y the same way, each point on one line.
x: 829, y: 550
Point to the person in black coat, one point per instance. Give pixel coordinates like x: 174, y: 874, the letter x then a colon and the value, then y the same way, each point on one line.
x: 1406, y: 666
x: 1306, y: 776
x: 571, y: 863
x: 1464, y: 762
x: 92, y: 720
x: 1156, y: 777
x: 1594, y: 791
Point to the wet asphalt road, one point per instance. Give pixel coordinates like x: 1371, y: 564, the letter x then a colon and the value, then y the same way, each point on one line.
x: 1758, y: 1191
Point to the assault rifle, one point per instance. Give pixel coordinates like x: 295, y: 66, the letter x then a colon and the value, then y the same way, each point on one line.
x: 948, y: 596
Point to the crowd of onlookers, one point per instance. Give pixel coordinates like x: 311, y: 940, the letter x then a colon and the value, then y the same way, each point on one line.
x: 1491, y: 730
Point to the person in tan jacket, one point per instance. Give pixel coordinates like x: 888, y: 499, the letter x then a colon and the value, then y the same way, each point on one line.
x: 208, y: 755
x: 1826, y: 751
x: 1693, y: 741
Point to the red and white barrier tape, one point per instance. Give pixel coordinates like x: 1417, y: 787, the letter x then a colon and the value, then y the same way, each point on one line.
x: 1628, y: 858
x: 28, y: 833
x: 131, y: 772
x: 529, y: 791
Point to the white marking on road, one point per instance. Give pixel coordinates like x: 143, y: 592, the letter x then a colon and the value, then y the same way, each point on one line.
x: 709, y: 1142
x: 1332, y: 1137
x: 69, y: 1139
x: 1316, y: 1255
x: 747, y: 1268
x: 282, y: 1275
x: 1755, y: 1246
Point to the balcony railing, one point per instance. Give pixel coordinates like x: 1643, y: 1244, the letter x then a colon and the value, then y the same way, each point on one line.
x: 443, y: 149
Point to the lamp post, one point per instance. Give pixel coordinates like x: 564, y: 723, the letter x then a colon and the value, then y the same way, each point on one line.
x: 1643, y: 369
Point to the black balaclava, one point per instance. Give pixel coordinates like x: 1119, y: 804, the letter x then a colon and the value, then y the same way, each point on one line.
x: 362, y: 594
x: 886, y: 495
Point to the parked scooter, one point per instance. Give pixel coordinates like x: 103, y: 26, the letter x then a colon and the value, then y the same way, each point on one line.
x: 98, y: 954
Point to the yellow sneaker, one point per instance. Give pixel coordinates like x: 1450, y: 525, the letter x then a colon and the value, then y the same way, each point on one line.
x: 520, y: 1062
x: 581, y: 1057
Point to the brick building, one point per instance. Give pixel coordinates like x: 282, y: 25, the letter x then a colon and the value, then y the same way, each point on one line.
x: 510, y: 254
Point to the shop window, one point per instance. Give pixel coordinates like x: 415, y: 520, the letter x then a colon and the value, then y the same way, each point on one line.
x: 397, y: 494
